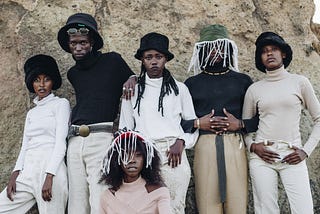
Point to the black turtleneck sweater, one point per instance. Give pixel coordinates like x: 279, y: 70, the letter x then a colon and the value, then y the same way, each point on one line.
x: 97, y: 81
x: 220, y: 91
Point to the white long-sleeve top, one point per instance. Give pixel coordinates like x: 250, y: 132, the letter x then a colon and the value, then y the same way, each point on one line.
x: 280, y: 98
x: 150, y: 122
x: 46, y: 126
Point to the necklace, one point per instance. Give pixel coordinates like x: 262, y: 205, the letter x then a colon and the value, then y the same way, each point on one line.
x: 216, y: 74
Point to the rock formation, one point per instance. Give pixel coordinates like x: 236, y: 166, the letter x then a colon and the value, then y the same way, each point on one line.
x: 30, y: 27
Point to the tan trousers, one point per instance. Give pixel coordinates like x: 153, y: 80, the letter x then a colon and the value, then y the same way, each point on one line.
x: 206, y: 177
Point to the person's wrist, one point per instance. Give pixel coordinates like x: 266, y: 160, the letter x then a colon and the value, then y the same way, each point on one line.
x: 198, y: 123
x: 253, y: 147
x: 240, y: 124
x: 49, y: 175
x: 182, y: 141
x: 134, y: 76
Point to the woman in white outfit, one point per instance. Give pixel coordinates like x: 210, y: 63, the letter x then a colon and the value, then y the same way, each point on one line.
x: 40, y: 174
x: 277, y: 149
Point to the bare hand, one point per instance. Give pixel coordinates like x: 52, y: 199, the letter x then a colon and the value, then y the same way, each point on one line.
x: 11, y: 187
x: 214, y: 124
x: 264, y: 153
x: 295, y: 157
x: 128, y: 88
x: 175, y: 152
x: 234, y: 124
x: 47, y: 188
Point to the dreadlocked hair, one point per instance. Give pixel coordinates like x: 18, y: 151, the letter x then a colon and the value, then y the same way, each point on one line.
x: 168, y: 84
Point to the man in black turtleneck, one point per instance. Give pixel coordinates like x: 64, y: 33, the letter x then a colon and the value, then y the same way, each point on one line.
x: 218, y: 90
x: 97, y: 79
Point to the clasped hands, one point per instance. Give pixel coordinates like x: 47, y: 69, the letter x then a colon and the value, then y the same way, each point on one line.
x: 219, y: 124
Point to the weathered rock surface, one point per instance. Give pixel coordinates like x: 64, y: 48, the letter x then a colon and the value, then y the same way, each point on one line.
x: 29, y: 27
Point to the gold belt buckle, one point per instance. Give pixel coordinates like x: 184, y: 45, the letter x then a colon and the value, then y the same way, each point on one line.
x: 84, y: 130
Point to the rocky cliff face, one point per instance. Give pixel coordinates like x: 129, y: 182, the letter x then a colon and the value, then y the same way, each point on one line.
x: 30, y: 27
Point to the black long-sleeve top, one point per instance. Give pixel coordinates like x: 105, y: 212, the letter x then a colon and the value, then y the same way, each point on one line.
x: 217, y: 92
x: 97, y: 81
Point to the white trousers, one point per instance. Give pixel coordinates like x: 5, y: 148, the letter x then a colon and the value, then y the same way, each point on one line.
x: 295, y: 180
x: 84, y: 162
x: 177, y: 179
x: 29, y: 186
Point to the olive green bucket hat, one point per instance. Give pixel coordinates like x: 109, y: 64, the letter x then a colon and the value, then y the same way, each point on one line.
x: 213, y: 32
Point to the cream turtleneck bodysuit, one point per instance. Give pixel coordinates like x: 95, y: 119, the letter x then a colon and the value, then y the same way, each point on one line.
x: 279, y: 98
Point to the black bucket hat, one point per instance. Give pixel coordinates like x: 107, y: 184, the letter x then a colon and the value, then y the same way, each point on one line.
x: 41, y: 64
x: 271, y: 38
x: 154, y: 41
x: 78, y: 20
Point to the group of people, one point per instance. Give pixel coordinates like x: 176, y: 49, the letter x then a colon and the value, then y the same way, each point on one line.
x: 143, y: 167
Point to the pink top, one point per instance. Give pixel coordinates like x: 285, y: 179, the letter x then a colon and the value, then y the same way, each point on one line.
x: 133, y: 198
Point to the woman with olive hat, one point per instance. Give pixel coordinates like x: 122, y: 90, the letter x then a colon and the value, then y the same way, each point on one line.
x: 156, y: 110
x: 277, y: 148
x: 40, y: 174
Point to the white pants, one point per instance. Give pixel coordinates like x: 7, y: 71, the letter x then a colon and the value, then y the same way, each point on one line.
x: 84, y: 162
x: 295, y: 180
x: 177, y: 179
x: 29, y: 186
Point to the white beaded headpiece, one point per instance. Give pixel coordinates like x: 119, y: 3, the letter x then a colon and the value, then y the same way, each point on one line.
x: 125, y: 144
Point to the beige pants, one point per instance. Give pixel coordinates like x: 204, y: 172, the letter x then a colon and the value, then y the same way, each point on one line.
x: 29, y: 186
x: 177, y: 179
x: 206, y: 177
x: 84, y: 162
x: 294, y: 178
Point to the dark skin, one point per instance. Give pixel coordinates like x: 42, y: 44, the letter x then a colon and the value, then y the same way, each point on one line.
x: 154, y: 63
x: 175, y: 152
x: 46, y: 188
x: 272, y: 58
x: 218, y: 124
x: 210, y: 122
x: 42, y: 86
x: 128, y: 88
x: 269, y: 156
x: 11, y: 186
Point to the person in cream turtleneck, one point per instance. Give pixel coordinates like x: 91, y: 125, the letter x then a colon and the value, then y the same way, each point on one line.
x: 277, y: 148
x: 156, y: 110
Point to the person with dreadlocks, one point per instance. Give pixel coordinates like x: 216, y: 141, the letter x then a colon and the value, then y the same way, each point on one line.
x: 131, y: 169
x: 156, y: 110
x: 218, y: 90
